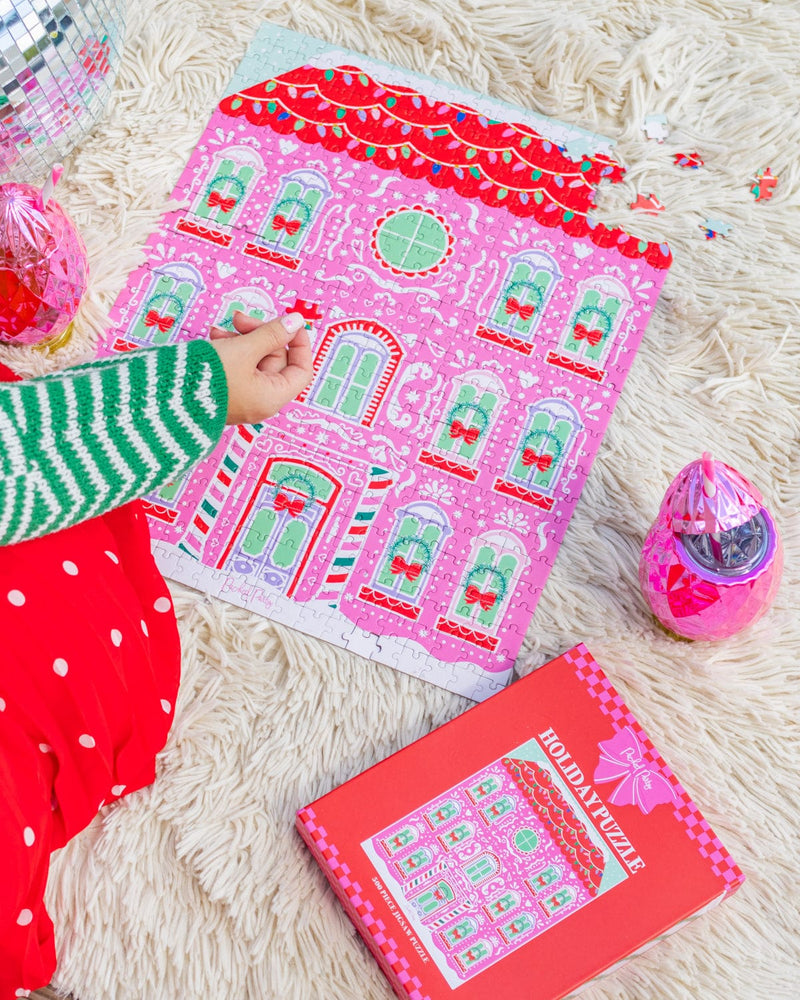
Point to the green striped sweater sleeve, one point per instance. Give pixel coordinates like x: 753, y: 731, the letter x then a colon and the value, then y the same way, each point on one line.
x: 78, y: 443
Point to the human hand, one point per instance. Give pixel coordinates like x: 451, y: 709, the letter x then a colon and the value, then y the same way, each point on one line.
x: 266, y: 364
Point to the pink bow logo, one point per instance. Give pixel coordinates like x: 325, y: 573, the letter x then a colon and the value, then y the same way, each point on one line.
x: 641, y: 784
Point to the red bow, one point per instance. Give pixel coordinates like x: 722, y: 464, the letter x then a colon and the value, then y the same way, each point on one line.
x: 215, y: 200
x: 474, y: 596
x: 281, y: 222
x: 542, y: 462
x: 470, y: 435
x: 284, y: 502
x: 411, y: 570
x: 513, y: 306
x: 164, y: 323
x: 581, y: 333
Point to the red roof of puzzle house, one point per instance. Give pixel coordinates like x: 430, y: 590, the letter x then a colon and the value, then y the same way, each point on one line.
x: 448, y: 145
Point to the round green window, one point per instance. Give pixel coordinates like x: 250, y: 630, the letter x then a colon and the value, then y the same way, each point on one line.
x: 526, y: 840
x: 412, y: 241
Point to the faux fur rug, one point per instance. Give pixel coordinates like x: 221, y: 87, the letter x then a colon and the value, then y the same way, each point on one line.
x: 199, y: 887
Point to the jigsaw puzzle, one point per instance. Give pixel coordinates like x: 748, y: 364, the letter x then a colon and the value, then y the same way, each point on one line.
x: 472, y: 327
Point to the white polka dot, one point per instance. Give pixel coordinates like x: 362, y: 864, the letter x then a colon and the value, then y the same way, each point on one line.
x: 16, y: 597
x: 118, y: 789
x: 163, y: 604
x: 144, y: 627
x: 28, y: 836
x: 45, y: 748
x: 25, y: 918
x: 112, y: 556
x: 167, y: 706
x: 87, y: 741
x: 60, y: 666
x: 116, y: 636
x: 70, y: 567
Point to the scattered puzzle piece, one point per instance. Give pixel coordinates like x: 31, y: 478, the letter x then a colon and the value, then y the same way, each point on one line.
x: 691, y: 161
x: 715, y: 227
x: 656, y: 127
x: 647, y: 206
x: 764, y: 185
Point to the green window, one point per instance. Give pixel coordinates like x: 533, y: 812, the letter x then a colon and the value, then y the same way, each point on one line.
x: 412, y: 551
x: 502, y: 905
x: 414, y: 862
x: 291, y: 216
x: 434, y: 899
x: 166, y: 305
x: 402, y: 839
x: 539, y: 453
x: 558, y: 900
x: 592, y: 324
x: 226, y: 320
x: 465, y: 427
x: 225, y: 192
x: 519, y: 925
x: 475, y: 953
x: 526, y: 840
x: 521, y: 302
x: 412, y: 240
x: 480, y: 868
x: 486, y: 787
x: 350, y: 375
x: 457, y: 835
x: 547, y: 876
x: 486, y: 586
x: 499, y: 808
x: 460, y: 932
x: 443, y: 813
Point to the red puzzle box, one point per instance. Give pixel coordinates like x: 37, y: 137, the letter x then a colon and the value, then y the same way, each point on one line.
x: 533, y: 842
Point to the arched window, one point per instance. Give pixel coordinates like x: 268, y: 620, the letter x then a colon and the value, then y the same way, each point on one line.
x: 473, y: 406
x: 442, y: 813
x: 354, y: 365
x: 252, y: 301
x: 419, y: 532
x: 557, y: 901
x: 476, y: 953
x: 296, y: 207
x: 544, y: 446
x: 498, y: 809
x: 542, y: 879
x: 416, y: 861
x: 482, y: 867
x: 495, y: 564
x: 232, y: 175
x: 503, y: 905
x: 517, y: 927
x: 171, y: 292
x: 600, y: 305
x: 401, y: 840
x: 526, y: 289
x: 433, y: 899
x: 457, y: 835
x: 487, y: 786
x: 464, y: 929
x: 281, y: 523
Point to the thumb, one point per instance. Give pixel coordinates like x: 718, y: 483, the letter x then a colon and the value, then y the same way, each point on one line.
x: 264, y: 338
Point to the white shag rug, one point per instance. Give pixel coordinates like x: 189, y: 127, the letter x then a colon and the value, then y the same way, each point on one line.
x: 199, y: 887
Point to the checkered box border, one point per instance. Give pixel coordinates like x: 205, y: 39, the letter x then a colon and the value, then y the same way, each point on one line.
x: 360, y: 909
x: 685, y: 811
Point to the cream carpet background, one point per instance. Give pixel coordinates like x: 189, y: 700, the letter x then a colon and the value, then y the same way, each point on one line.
x: 198, y: 887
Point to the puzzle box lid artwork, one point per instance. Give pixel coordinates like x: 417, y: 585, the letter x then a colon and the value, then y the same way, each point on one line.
x: 530, y: 844
x: 472, y: 328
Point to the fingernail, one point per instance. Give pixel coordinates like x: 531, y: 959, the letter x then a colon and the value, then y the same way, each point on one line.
x: 293, y: 322
x: 218, y: 329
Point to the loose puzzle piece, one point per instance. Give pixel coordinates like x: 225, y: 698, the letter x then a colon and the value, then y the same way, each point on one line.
x: 690, y: 161
x: 764, y: 185
x: 647, y: 206
x: 715, y: 227
x: 656, y: 127
x: 471, y: 327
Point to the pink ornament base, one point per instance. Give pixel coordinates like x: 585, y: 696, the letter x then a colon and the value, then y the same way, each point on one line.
x: 698, y: 604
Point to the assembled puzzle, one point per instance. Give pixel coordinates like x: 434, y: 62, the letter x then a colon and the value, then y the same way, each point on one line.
x: 472, y: 327
x: 522, y: 848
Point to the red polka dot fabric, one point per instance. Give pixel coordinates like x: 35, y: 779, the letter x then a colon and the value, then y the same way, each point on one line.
x: 89, y: 674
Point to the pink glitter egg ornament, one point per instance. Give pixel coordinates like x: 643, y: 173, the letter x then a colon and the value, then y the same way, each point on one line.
x: 712, y: 561
x: 43, y: 266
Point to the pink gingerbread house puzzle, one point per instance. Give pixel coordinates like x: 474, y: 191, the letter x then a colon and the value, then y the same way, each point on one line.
x: 472, y: 327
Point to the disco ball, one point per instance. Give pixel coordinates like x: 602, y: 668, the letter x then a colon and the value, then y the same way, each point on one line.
x: 58, y: 63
